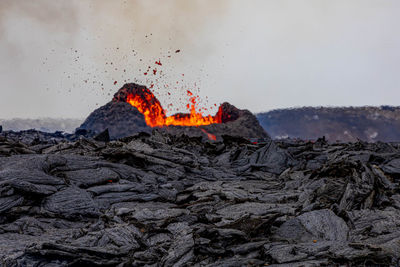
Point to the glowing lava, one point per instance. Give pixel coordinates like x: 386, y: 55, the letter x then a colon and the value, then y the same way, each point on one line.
x: 154, y: 114
x: 210, y: 136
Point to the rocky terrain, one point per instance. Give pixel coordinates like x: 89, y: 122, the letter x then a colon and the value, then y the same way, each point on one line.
x: 346, y: 124
x: 167, y: 200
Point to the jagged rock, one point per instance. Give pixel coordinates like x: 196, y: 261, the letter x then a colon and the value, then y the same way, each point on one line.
x: 315, y: 225
x: 103, y: 136
x: 269, y: 158
x: 10, y: 147
x: 166, y: 200
x: 71, y: 202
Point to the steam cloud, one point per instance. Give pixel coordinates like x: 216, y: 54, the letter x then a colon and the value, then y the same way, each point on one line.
x: 257, y: 54
x: 47, y: 32
x: 171, y: 22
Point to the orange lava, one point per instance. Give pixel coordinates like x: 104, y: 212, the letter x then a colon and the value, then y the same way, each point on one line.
x: 154, y: 114
x: 210, y: 136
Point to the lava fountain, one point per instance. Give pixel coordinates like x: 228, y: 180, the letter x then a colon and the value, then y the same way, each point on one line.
x: 135, y: 109
x: 155, y: 116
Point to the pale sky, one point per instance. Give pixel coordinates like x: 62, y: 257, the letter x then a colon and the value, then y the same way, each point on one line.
x: 56, y: 55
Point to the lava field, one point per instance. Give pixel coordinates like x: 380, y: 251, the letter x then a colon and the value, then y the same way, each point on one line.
x: 173, y: 200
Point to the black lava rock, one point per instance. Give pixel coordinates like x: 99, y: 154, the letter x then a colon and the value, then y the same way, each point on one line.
x: 174, y: 200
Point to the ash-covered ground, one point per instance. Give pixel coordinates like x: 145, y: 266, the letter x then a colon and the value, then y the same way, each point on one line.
x: 173, y: 200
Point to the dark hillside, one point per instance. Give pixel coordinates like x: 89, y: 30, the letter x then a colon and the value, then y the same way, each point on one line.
x: 342, y: 123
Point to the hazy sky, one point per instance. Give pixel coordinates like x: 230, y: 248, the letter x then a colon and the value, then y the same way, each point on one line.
x: 56, y: 55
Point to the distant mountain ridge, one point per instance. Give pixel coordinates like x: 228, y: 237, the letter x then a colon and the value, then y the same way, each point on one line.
x: 41, y: 124
x: 346, y: 124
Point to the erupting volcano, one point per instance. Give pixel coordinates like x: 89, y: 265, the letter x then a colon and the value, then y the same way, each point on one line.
x: 155, y: 116
x: 135, y: 108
